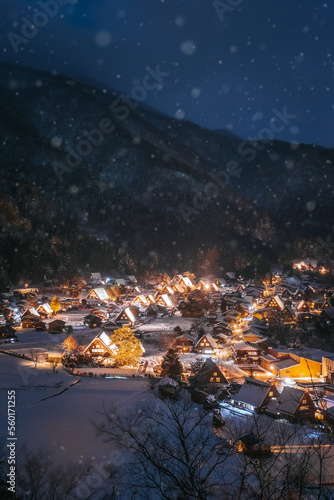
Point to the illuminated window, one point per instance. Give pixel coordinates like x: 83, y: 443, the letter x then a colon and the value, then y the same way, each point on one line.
x: 215, y: 374
x: 211, y: 379
x: 218, y: 379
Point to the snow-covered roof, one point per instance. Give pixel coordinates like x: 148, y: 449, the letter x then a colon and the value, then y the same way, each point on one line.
x: 96, y: 276
x: 289, y: 399
x: 46, y: 308
x: 285, y: 363
x: 187, y: 281
x: 129, y: 314
x: 252, y: 392
x: 105, y: 339
x: 167, y: 300
x: 101, y: 293
x: 245, y: 346
x: 168, y: 381
x: 278, y: 300
x: 210, y: 339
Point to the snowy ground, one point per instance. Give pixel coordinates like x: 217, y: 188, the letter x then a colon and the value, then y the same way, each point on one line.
x: 60, y: 420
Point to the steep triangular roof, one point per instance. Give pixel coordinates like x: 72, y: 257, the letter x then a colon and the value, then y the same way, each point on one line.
x: 208, y: 367
x: 253, y: 392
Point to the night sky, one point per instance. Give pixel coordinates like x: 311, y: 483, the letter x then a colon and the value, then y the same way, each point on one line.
x: 228, y: 66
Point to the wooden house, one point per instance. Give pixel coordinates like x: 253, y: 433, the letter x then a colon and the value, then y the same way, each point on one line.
x: 184, y: 344
x: 206, y: 345
x: 141, y: 300
x: 95, y: 278
x: 184, y: 281
x: 209, y: 376
x: 92, y: 321
x: 45, y: 311
x: 303, y: 306
x: 286, y: 294
x: 299, y: 295
x: 56, y: 326
x: 128, y: 316
x: 253, y: 446
x: 289, y: 315
x: 247, y: 351
x: 154, y: 310
x: 40, y: 326
x: 30, y: 318
x: 101, y: 347
x: 166, y: 289
x: 98, y: 294
x: 7, y: 332
x: 31, y: 313
x: 292, y: 404
x: 275, y: 302
x: 164, y: 301
x: 254, y: 394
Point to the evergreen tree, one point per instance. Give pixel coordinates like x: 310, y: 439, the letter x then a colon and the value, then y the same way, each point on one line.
x: 171, y: 365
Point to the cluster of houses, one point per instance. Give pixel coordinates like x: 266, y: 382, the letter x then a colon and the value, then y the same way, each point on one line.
x: 236, y: 322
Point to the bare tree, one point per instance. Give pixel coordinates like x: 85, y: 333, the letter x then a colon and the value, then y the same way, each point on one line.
x: 53, y: 363
x: 173, y: 450
x: 40, y: 479
x: 35, y: 356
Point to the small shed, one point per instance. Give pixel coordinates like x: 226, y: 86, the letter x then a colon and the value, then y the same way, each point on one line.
x: 253, y: 446
x: 56, y: 326
x: 168, y: 388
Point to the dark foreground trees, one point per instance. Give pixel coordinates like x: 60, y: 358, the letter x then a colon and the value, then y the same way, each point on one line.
x: 173, y: 452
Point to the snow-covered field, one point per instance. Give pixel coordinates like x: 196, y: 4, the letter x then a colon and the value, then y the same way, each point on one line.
x: 59, y: 420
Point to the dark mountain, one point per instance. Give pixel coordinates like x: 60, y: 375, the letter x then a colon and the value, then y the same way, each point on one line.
x: 89, y: 179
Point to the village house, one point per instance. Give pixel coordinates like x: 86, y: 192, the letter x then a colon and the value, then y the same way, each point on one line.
x: 209, y: 377
x: 304, y: 363
x: 206, y: 345
x: 184, y: 281
x: 101, y: 347
x: 184, y: 344
x: 30, y: 318
x: 128, y: 316
x: 328, y: 368
x: 155, y: 310
x: 254, y: 394
x: 165, y: 301
x: 289, y: 315
x: 246, y: 352
x: 276, y: 303
x: 56, y: 326
x: 95, y: 278
x: 253, y: 446
x: 292, y: 404
x: 92, y: 321
x: 45, y: 311
x: 98, y: 294
x: 143, y: 300
x: 7, y: 332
